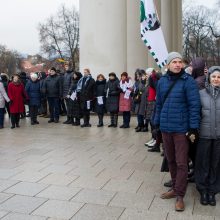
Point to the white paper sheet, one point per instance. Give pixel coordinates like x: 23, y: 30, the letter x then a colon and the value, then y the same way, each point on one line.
x: 100, y: 100
x: 127, y: 94
x: 73, y: 96
x: 88, y: 104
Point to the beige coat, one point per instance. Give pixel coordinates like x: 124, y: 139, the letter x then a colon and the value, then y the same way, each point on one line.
x: 3, y: 96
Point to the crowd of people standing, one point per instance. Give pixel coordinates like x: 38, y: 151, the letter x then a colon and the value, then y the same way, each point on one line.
x: 180, y: 107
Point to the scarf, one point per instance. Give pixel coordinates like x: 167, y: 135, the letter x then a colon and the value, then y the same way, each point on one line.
x: 127, y: 84
x: 83, y: 82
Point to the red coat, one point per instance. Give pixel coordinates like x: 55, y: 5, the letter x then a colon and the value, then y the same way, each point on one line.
x: 17, y: 94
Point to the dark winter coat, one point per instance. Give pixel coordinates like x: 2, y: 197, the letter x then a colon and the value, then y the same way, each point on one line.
x: 112, y: 90
x: 53, y: 87
x: 33, y: 91
x: 100, y: 91
x: 210, y: 120
x: 17, y: 95
x: 67, y: 78
x: 74, y: 105
x: 140, y: 98
x: 181, y: 110
x: 87, y: 93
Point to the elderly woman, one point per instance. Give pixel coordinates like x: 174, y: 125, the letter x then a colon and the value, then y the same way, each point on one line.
x: 207, y: 167
x: 33, y: 91
x: 17, y: 95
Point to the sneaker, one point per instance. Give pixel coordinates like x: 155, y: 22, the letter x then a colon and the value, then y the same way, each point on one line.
x: 150, y: 142
x: 50, y: 121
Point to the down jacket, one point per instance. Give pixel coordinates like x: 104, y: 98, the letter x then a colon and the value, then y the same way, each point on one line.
x: 33, y: 91
x: 210, y: 122
x: 181, y: 110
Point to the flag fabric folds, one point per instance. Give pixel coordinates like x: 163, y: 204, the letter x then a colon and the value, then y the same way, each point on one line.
x: 151, y: 32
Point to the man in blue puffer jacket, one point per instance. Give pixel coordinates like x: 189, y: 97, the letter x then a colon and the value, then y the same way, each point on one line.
x: 177, y: 114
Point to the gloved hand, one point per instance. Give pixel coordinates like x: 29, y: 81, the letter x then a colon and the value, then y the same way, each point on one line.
x: 193, y: 135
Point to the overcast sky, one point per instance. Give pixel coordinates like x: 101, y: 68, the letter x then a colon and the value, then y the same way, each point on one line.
x: 19, y: 20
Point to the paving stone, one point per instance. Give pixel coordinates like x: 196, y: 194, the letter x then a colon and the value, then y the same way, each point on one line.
x: 123, y: 186
x: 93, y: 196
x: 26, y: 189
x: 17, y: 216
x: 7, y: 173
x: 32, y: 166
x: 5, y: 184
x: 4, y: 197
x: 22, y: 204
x: 59, y: 193
x: 89, y: 177
x: 180, y: 216
x: 58, y: 179
x: 3, y: 213
x: 89, y: 182
x: 58, y: 209
x: 28, y: 176
x: 98, y: 212
x: 132, y: 200
x: 142, y: 214
x: 58, y: 169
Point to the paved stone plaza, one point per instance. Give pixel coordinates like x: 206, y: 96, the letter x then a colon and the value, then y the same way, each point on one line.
x: 56, y: 171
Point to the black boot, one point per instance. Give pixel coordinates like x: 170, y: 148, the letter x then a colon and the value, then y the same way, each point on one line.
x: 68, y: 121
x: 145, y: 128
x: 112, y: 120
x: 211, y: 199
x: 155, y: 148
x: 204, y: 198
x: 100, y: 121
x: 139, y: 129
x: 77, y: 122
x: 17, y: 120
x: 115, y: 121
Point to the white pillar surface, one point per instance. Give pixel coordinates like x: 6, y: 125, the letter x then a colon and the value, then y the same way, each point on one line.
x: 110, y: 34
x: 103, y: 36
x: 137, y: 52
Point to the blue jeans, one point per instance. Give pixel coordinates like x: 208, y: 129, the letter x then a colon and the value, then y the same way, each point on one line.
x: 2, y: 114
x: 54, y: 107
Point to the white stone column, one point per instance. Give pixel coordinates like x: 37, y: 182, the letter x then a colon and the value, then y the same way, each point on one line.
x: 137, y: 52
x: 103, y: 36
x: 171, y: 22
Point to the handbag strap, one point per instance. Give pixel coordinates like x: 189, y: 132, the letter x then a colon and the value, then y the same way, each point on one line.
x: 169, y: 90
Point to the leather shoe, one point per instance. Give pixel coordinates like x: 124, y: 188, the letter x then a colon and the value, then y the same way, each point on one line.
x: 211, y: 199
x: 168, y: 195
x: 179, y: 206
x: 204, y: 198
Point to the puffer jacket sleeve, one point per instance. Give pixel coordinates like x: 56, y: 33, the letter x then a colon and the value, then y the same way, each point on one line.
x: 159, y: 105
x: 193, y: 103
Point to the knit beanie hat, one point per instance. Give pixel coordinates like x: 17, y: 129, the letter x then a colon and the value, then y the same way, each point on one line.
x: 213, y: 69
x: 173, y: 55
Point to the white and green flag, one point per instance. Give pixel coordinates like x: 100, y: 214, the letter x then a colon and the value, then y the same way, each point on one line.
x: 151, y: 32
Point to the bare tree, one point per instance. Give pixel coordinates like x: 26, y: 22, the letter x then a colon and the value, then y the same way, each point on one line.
x: 201, y: 33
x: 10, y: 61
x: 59, y: 35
